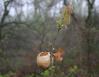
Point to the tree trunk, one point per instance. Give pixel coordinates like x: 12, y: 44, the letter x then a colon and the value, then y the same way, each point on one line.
x: 89, y: 40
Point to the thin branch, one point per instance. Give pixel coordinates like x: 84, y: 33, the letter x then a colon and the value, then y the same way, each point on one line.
x: 5, y: 10
x: 13, y: 22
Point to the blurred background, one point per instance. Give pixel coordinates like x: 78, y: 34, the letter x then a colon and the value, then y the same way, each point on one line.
x: 29, y: 26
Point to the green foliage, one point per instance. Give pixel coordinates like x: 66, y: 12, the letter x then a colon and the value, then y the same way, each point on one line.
x: 64, y: 18
x: 73, y: 71
x: 4, y: 75
x: 59, y: 24
x: 1, y: 76
x: 31, y: 75
x: 46, y: 73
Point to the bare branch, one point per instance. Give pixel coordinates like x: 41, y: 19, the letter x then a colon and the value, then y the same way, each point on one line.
x: 5, y: 10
